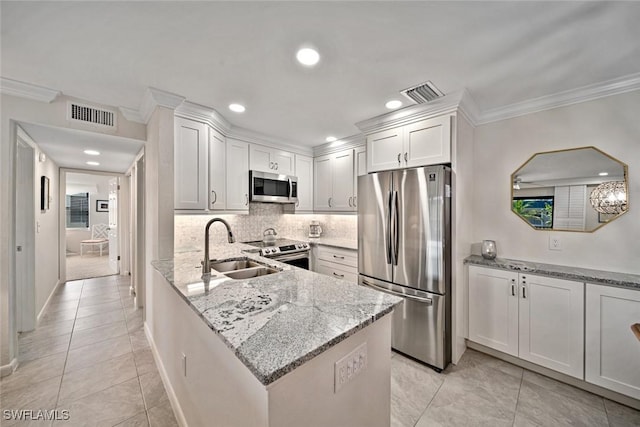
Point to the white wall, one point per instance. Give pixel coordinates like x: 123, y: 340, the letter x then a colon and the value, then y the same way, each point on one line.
x: 610, y: 124
x: 46, y: 247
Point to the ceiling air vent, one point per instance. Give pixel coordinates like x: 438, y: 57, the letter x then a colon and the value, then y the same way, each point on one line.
x: 422, y: 93
x: 93, y: 115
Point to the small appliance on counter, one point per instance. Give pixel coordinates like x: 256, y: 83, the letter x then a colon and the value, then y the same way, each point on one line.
x: 269, y: 236
x: 314, y: 229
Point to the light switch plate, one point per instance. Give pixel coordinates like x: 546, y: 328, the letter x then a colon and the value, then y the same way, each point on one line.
x: 555, y: 244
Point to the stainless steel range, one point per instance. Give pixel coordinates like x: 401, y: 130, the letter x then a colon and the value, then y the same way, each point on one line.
x: 291, y: 252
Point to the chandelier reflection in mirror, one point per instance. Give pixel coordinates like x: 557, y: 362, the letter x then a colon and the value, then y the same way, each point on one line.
x: 609, y: 197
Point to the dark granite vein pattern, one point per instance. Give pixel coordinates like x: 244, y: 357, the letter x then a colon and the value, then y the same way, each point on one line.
x: 598, y: 277
x: 277, y: 322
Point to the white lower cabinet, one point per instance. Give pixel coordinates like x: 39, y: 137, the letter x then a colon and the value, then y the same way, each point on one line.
x: 612, y: 358
x: 336, y: 262
x: 539, y: 319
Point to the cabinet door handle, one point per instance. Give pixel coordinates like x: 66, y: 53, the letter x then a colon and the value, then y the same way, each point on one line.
x: 513, y: 287
x: 524, y: 291
x: 350, y: 205
x: 276, y: 165
x: 406, y: 156
x: 338, y: 275
x: 297, y: 203
x: 215, y: 197
x: 338, y: 257
x: 270, y: 165
x: 399, y: 155
x: 354, y: 201
x: 246, y: 199
x: 330, y: 202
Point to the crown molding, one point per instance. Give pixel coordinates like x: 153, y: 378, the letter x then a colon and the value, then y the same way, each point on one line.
x: 154, y: 98
x: 200, y: 113
x: 253, y: 137
x: 131, y: 115
x: 28, y: 90
x: 574, y: 96
x: 350, y: 142
x: 460, y: 101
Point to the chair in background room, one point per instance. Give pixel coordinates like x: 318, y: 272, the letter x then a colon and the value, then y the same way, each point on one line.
x: 99, y: 237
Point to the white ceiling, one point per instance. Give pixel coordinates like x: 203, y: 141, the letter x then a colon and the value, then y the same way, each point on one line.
x: 65, y: 147
x: 215, y: 53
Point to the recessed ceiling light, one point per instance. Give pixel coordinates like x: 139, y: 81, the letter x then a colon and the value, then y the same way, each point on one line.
x: 92, y: 152
x: 308, y: 57
x: 237, y: 108
x: 603, y: 173
x: 93, y: 163
x: 393, y: 104
x: 331, y: 139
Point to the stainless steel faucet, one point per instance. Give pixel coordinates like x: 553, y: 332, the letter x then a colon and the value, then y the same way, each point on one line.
x: 206, y: 265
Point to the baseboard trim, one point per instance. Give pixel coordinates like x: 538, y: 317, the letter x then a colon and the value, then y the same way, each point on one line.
x: 9, y: 369
x: 46, y: 303
x: 583, y: 385
x: 173, y: 399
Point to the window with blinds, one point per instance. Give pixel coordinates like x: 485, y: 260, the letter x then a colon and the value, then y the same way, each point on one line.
x: 77, y: 207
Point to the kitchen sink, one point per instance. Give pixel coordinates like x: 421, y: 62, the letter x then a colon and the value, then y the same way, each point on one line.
x: 242, y: 268
x: 247, y: 273
x: 233, y: 265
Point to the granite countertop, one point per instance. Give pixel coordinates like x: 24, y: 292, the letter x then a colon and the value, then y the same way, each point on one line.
x: 335, y: 242
x: 599, y: 277
x: 277, y: 322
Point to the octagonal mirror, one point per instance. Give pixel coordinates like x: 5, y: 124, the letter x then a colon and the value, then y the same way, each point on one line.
x: 579, y: 189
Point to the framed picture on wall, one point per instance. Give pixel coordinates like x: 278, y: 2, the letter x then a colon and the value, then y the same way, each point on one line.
x: 102, y: 206
x: 44, y: 193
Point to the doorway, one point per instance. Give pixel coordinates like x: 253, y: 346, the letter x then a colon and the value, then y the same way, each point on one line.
x: 91, y: 226
x: 25, y: 234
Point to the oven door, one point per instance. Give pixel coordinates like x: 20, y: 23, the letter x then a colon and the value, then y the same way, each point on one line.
x: 271, y: 187
x: 298, y: 259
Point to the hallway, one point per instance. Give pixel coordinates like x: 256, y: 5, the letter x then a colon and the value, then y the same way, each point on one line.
x: 89, y: 355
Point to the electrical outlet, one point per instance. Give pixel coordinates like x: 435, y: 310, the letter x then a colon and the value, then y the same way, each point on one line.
x: 350, y: 366
x: 555, y: 244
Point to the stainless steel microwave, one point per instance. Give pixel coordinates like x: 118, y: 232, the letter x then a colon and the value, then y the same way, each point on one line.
x: 272, y: 187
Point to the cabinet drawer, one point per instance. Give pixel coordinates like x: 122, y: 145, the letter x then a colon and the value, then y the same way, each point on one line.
x: 345, y: 257
x: 338, y: 271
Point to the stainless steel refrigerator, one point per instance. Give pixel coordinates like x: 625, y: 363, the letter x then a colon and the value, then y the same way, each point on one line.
x: 404, y: 248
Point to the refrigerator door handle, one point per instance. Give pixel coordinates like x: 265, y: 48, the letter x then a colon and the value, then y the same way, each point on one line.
x: 427, y: 301
x: 389, y: 235
x: 396, y: 229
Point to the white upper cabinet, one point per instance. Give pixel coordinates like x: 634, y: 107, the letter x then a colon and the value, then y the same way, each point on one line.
x: 322, y: 183
x: 267, y: 159
x: 427, y: 142
x: 237, y: 175
x: 334, y: 178
x: 217, y: 170
x: 304, y: 172
x: 539, y: 319
x: 612, y: 358
x: 190, y: 163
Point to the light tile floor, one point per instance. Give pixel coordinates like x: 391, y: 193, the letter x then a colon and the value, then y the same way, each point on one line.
x: 89, y: 355
x: 484, y: 391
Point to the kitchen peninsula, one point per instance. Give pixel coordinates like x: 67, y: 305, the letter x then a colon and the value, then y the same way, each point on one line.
x: 290, y: 348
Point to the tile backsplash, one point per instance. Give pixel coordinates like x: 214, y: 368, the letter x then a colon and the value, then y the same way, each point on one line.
x: 189, y: 229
